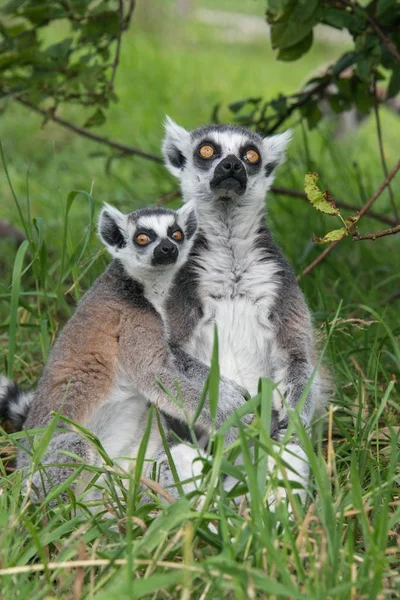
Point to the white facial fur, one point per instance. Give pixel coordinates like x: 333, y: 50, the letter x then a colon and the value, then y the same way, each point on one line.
x: 195, y: 182
x: 118, y: 230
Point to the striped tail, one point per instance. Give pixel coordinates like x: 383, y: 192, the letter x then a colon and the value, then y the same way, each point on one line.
x: 14, y: 403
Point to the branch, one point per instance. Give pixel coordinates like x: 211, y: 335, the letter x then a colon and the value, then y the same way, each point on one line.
x: 377, y: 234
x: 385, y: 40
x: 304, y: 97
x: 319, y: 259
x: 382, y: 152
x: 125, y: 149
x: 296, y: 194
x: 361, y: 213
x: 168, y: 197
x: 118, y: 48
x: 379, y: 191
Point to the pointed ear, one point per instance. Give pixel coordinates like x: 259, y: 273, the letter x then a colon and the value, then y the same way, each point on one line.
x: 187, y: 219
x: 175, y: 145
x: 112, y: 229
x: 275, y: 150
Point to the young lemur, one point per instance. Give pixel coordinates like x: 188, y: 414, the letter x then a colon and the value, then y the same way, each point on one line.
x: 104, y: 368
x: 236, y: 276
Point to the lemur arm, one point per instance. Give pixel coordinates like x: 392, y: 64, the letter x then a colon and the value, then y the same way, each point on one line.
x: 148, y: 359
x: 292, y: 351
x: 184, y: 307
x: 197, y: 371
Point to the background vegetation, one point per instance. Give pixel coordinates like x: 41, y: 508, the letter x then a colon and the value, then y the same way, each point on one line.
x: 344, y: 544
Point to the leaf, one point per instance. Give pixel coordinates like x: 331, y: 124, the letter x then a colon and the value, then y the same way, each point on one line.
x: 296, y: 51
x: 332, y: 236
x: 345, y: 61
x: 337, y: 18
x: 98, y: 118
x: 15, y: 291
x: 214, y: 378
x: 312, y: 113
x: 322, y: 201
x: 236, y: 106
x: 295, y: 24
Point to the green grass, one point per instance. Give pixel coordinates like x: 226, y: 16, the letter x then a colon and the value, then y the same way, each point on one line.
x: 344, y: 544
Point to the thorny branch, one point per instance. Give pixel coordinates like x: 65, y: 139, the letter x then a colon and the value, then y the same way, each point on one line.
x: 377, y: 234
x: 339, y: 203
x: 361, y: 213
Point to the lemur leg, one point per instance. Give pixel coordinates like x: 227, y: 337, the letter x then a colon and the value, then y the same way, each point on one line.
x: 293, y: 371
x: 57, y: 465
x: 188, y: 464
x: 293, y: 466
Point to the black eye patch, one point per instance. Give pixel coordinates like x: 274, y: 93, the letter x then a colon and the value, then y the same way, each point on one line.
x: 252, y: 168
x: 172, y: 229
x: 146, y: 231
x: 206, y: 163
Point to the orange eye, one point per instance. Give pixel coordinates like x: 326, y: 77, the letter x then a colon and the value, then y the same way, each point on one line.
x: 207, y: 151
x: 177, y: 235
x: 252, y: 156
x: 142, y: 239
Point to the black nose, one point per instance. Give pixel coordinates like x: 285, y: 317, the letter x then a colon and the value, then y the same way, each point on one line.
x: 229, y: 176
x: 165, y: 253
x: 231, y: 164
x: 168, y: 250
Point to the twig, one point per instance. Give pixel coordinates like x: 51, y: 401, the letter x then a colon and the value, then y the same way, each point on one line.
x: 379, y: 191
x: 297, y: 194
x: 362, y: 212
x: 319, y: 259
x: 377, y: 234
x: 124, y: 148
x: 129, y: 14
x: 304, y: 97
x: 385, y: 40
x: 168, y: 197
x: 382, y: 152
x: 118, y: 48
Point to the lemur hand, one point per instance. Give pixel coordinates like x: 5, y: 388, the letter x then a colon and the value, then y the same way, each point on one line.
x: 231, y: 397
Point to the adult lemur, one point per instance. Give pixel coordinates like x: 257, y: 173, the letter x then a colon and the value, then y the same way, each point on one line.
x: 105, y: 366
x: 236, y: 276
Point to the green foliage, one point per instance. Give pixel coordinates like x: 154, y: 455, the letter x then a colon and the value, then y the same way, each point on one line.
x: 324, y: 202
x: 57, y: 52
x: 351, y: 80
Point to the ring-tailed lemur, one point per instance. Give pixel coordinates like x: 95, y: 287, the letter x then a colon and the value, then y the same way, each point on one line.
x: 236, y: 277
x: 104, y: 368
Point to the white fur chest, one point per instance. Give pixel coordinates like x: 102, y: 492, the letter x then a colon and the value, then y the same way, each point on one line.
x: 237, y: 289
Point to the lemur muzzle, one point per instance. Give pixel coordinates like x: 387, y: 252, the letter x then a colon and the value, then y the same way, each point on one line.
x: 165, y: 253
x: 230, y: 174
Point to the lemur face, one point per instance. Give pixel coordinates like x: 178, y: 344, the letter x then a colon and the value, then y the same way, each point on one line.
x: 149, y: 237
x: 222, y: 162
